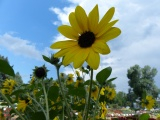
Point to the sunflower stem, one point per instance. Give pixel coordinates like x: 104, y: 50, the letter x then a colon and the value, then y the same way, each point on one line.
x: 11, y: 105
x: 63, y: 95
x: 89, y: 97
x: 46, y: 99
x: 96, y: 104
x: 39, y: 106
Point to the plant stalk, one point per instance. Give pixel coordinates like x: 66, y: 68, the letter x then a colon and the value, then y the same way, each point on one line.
x: 63, y: 95
x: 89, y: 97
x: 46, y: 101
x: 11, y: 105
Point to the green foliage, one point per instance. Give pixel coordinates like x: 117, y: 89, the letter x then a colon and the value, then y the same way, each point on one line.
x: 142, y: 80
x: 102, y: 76
x: 6, y: 68
x: 144, y: 116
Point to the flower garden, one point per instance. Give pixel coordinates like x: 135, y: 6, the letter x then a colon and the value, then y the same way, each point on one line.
x: 72, y: 96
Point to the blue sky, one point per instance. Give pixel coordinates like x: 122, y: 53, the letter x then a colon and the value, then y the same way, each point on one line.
x: 28, y: 28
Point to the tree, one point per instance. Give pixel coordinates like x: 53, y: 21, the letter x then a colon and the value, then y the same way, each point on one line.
x: 3, y: 76
x: 121, y: 99
x: 142, y: 80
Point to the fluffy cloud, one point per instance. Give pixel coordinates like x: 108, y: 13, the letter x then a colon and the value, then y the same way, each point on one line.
x: 21, y: 47
x: 139, y: 42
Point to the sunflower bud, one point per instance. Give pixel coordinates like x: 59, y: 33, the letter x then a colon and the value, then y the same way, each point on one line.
x: 54, y: 60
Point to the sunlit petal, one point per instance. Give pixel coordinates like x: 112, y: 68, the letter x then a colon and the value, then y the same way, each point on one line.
x: 110, y: 34
x: 106, y: 18
x: 63, y: 44
x: 80, y: 57
x: 68, y: 32
x: 101, y: 47
x: 81, y: 17
x: 73, y: 22
x: 69, y: 57
x: 106, y: 28
x: 93, y: 19
x: 93, y: 59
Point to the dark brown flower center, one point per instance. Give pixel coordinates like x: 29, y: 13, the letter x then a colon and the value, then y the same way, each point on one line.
x: 86, y: 39
x: 27, y: 101
x: 40, y: 72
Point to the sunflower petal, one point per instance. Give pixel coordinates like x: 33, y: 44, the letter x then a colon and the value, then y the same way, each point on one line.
x: 81, y: 17
x: 73, y: 22
x: 93, y: 59
x: 110, y: 34
x: 101, y: 47
x: 61, y: 53
x: 93, y: 19
x: 69, y: 57
x: 68, y: 32
x: 106, y: 18
x: 80, y: 57
x: 63, y: 44
x: 106, y: 28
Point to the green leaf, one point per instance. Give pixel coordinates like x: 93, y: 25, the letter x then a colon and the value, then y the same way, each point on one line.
x: 144, y: 116
x: 38, y: 116
x: 144, y: 94
x: 76, y: 91
x: 110, y: 80
x: 102, y: 76
x: 87, y: 82
x: 53, y: 113
x: 6, y: 68
x: 53, y: 93
x: 46, y: 58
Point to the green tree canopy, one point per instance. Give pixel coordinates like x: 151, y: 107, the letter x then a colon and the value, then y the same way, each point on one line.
x: 142, y: 80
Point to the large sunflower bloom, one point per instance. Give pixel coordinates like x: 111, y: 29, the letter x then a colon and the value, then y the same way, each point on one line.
x: 87, y: 37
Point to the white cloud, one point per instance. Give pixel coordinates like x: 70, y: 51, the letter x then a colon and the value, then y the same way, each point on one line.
x: 22, y: 47
x: 139, y: 42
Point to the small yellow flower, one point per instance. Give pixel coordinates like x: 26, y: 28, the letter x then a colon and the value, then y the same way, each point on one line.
x: 9, y: 83
x: 56, y: 118
x: 22, y: 104
x: 77, y: 73
x: 5, y: 91
x: 32, y: 80
x: 148, y: 102
x: 80, y: 116
x: 103, y: 110
x: 62, y: 75
x: 94, y: 92
x: 102, y: 91
x: 35, y: 91
x: 55, y: 83
x: 111, y: 93
x: 70, y: 79
x: 78, y: 81
x: 158, y: 117
x: 52, y: 103
x: 83, y: 101
x: 87, y: 37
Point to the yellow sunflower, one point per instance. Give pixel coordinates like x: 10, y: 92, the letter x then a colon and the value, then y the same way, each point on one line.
x: 9, y: 83
x: 111, y: 93
x: 87, y: 37
x: 79, y: 117
x: 103, y: 110
x: 94, y: 92
x: 78, y: 82
x: 22, y: 104
x: 148, y: 102
x: 70, y: 79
